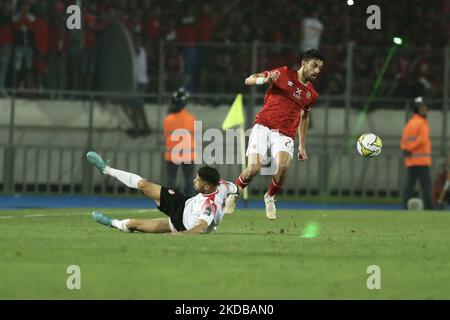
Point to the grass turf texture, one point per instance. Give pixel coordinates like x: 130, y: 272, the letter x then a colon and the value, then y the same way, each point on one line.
x: 247, y: 258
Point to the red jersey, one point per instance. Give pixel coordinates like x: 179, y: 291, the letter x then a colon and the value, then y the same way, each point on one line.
x: 284, y: 101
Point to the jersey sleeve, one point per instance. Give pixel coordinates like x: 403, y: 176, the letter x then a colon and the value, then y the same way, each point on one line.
x: 209, y: 210
x: 230, y: 186
x: 281, y: 70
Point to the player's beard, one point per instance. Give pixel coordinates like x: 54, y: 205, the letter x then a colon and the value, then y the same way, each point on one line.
x: 306, y: 75
x: 310, y: 78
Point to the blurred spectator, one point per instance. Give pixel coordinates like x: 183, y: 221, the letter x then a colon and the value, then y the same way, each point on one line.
x: 219, y: 76
x: 59, y: 44
x: 312, y: 29
x: 447, y: 21
x: 135, y: 109
x: 74, y: 54
x: 401, y: 66
x: 89, y: 51
x: 23, y: 46
x: 173, y: 67
x: 416, y: 146
x: 187, y: 35
x: 152, y: 33
x: 420, y: 69
x: 6, y: 41
x: 235, y: 24
x: 153, y: 27
x: 205, y: 32
x: 180, y: 146
x: 41, y: 34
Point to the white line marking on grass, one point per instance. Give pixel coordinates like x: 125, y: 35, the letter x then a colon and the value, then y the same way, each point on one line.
x: 72, y: 214
x: 41, y: 215
x: 147, y: 210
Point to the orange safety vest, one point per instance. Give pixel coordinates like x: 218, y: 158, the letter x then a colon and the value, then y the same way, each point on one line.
x: 183, y: 144
x: 416, y: 140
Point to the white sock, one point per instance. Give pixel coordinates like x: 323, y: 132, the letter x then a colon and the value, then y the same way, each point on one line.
x: 129, y: 179
x: 121, y: 224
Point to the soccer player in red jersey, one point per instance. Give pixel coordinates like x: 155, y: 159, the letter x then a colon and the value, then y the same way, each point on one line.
x: 285, y: 111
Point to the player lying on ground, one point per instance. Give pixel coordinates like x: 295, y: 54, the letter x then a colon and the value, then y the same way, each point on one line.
x: 285, y: 111
x: 188, y: 215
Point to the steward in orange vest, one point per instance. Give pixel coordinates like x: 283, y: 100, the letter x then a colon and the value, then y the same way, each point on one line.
x: 416, y: 147
x: 180, y: 141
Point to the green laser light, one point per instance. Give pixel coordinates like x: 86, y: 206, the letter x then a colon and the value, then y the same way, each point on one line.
x: 311, y: 231
x: 398, y: 41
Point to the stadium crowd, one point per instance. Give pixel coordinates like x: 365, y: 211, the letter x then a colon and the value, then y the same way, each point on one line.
x: 37, y: 51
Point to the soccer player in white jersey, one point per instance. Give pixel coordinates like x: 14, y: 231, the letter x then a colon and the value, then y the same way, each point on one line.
x: 186, y: 215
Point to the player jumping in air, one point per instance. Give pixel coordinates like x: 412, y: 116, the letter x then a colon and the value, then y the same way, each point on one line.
x: 285, y: 111
x: 187, y: 215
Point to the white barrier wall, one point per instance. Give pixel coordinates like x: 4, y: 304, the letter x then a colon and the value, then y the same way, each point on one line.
x: 54, y: 123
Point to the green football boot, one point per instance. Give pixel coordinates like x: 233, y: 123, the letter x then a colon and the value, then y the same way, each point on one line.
x: 97, y: 161
x: 102, y: 218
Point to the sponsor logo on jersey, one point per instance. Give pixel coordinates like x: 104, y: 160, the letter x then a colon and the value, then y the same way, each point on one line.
x: 290, y: 83
x: 297, y: 94
x: 171, y: 191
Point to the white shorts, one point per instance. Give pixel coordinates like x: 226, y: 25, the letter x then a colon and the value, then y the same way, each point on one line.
x: 263, y: 139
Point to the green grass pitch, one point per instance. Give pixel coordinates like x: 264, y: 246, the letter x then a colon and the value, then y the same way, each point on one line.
x: 248, y: 257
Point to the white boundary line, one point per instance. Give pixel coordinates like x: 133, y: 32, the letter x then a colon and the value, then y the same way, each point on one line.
x: 71, y: 214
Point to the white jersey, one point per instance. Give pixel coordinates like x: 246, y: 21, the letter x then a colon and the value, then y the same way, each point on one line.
x: 208, y: 207
x: 312, y: 30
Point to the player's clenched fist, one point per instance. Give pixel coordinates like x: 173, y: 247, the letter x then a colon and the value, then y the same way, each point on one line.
x: 302, y: 155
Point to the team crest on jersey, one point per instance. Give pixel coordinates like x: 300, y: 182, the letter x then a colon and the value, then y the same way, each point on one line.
x: 207, y: 211
x: 308, y: 95
x: 290, y: 83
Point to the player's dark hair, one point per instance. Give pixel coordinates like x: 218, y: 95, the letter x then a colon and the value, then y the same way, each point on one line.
x: 209, y: 175
x: 312, y: 54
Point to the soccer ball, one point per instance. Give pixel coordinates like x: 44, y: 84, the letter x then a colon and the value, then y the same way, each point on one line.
x: 369, y: 145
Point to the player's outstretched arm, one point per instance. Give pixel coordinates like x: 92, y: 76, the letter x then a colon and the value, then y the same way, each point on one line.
x: 302, y: 129
x: 262, y: 78
x: 198, y: 229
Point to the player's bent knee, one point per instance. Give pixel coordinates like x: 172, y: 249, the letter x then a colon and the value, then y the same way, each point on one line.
x: 142, y: 184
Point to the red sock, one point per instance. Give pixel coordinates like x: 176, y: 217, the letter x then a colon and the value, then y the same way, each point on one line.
x: 273, y: 188
x: 241, y: 183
